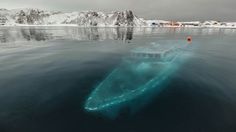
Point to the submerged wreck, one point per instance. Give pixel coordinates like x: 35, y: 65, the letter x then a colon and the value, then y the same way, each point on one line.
x: 145, y: 69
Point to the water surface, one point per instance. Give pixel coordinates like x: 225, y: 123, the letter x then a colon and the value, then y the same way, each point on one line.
x: 46, y: 74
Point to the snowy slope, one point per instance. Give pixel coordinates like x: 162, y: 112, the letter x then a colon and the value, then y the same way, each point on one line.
x: 30, y: 16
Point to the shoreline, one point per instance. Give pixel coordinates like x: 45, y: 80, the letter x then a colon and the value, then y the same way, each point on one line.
x: 74, y: 25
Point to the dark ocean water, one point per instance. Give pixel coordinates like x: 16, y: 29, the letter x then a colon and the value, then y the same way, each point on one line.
x: 46, y: 74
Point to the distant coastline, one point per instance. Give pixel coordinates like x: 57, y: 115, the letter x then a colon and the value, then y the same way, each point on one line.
x: 37, y: 17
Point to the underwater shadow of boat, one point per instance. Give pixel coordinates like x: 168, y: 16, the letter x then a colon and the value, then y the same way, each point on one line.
x: 139, y: 76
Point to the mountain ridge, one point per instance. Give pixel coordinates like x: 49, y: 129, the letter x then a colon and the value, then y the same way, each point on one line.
x: 31, y: 16
x: 127, y: 18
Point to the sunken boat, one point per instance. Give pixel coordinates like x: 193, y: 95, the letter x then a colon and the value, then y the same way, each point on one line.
x: 145, y: 69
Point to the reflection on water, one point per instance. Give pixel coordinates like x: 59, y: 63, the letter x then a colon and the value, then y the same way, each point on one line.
x: 30, y: 34
x: 13, y: 34
x: 20, y: 38
x: 8, y: 35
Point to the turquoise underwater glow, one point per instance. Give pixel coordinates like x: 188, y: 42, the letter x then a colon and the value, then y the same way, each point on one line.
x: 133, y: 78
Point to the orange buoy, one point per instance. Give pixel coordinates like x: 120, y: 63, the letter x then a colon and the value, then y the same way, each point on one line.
x: 189, y: 39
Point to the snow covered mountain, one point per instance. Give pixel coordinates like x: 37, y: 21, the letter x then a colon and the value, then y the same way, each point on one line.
x: 29, y: 16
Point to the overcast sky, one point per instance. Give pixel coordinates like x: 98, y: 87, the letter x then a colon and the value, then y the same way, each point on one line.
x: 223, y: 10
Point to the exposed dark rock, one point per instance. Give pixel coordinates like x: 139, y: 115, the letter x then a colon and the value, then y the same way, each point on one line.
x: 88, y: 18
